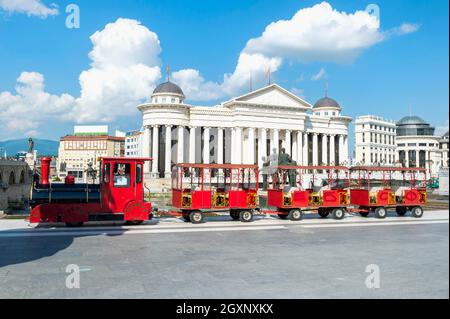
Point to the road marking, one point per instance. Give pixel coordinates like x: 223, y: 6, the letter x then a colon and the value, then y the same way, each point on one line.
x: 378, y: 224
x: 165, y: 224
x: 133, y: 232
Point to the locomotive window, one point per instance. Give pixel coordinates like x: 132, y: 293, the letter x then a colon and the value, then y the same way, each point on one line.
x: 138, y: 173
x: 121, y: 175
x: 106, y: 174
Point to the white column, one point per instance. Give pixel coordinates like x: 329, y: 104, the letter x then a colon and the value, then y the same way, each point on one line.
x: 220, y: 145
x: 155, y: 151
x: 206, y: 145
x: 146, y: 148
x: 346, y: 157
x: 238, y: 145
x: 251, y: 146
x: 275, y: 141
x: 294, y: 147
x: 262, y: 146
x: 305, y: 149
x: 341, y: 149
x: 180, y: 150
x: 325, y: 149
x: 333, y: 151
x: 192, y: 144
x: 299, y: 148
x: 315, y: 154
x: 168, y: 155
x: 233, y: 145
x: 288, y: 142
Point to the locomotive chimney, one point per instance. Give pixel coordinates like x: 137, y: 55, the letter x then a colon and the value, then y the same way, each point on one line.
x: 45, y: 170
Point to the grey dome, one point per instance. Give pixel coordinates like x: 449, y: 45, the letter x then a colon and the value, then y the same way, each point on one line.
x: 168, y: 87
x: 413, y: 125
x: 327, y: 102
x: 411, y: 120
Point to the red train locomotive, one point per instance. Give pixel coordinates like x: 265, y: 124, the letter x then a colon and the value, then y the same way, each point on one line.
x: 119, y: 196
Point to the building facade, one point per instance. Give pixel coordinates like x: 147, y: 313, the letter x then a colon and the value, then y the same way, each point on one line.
x: 417, y: 146
x: 375, y: 141
x: 410, y: 142
x: 133, y: 143
x: 243, y: 130
x: 76, y: 152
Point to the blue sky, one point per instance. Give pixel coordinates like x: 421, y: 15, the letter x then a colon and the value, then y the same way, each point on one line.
x: 386, y: 79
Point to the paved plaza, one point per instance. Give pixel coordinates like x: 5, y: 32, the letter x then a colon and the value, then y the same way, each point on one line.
x: 268, y: 258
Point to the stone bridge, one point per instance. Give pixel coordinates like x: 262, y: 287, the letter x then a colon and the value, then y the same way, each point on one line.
x: 15, y: 183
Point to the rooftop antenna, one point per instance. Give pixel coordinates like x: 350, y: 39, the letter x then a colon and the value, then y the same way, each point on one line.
x: 168, y: 72
x: 410, y: 110
x: 326, y: 88
x: 251, y: 80
x: 269, y: 72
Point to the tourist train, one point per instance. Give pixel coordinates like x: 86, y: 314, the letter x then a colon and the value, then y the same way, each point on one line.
x: 233, y: 189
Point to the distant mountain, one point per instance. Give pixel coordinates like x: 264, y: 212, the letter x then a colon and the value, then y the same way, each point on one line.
x: 43, y: 147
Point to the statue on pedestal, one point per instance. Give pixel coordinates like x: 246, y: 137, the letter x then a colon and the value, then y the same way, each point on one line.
x: 30, y: 145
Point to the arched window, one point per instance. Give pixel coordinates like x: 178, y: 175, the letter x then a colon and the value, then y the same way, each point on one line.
x: 22, y: 177
x: 12, y: 179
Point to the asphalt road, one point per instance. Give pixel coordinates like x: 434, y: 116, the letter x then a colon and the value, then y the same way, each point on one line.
x: 268, y: 258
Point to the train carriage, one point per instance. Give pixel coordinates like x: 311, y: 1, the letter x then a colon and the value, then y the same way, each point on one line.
x: 377, y: 189
x: 291, y: 194
x: 201, y: 188
x: 118, y: 196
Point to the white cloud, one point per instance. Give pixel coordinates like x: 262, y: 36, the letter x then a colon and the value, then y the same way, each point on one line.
x: 125, y: 64
x: 403, y: 29
x: 315, y: 34
x: 29, y: 7
x: 30, y: 106
x: 194, y: 85
x: 319, y: 33
x: 124, y: 71
x: 319, y: 75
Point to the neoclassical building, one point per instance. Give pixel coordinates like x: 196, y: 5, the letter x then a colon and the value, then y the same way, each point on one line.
x: 417, y: 145
x: 243, y: 130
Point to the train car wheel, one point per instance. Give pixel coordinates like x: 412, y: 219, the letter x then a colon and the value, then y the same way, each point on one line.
x: 401, y: 211
x: 364, y: 214
x: 295, y: 214
x: 74, y: 224
x: 283, y: 216
x: 417, y: 212
x: 381, y: 212
x: 186, y: 217
x: 246, y: 216
x: 338, y: 213
x: 234, y: 215
x: 324, y: 213
x: 196, y: 217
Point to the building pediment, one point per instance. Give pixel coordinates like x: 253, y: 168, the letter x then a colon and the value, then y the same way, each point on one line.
x: 271, y: 95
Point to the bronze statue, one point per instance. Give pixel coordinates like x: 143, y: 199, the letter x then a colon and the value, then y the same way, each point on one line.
x: 292, y: 173
x: 30, y: 145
